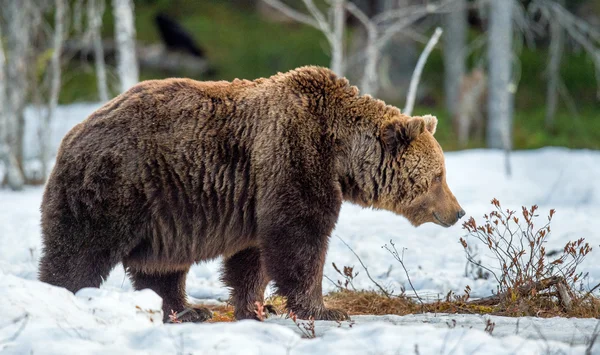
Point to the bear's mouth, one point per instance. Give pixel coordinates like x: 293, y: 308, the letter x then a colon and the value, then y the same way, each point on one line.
x: 442, y: 223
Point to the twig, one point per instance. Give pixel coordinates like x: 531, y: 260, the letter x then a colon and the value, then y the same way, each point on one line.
x: 523, y: 290
x: 416, y: 77
x: 401, y: 261
x: 322, y: 22
x: 383, y: 290
x: 333, y: 282
x: 306, y: 328
x: 589, y: 293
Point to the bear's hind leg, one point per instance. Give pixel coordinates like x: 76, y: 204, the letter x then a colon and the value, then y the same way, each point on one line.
x: 245, y: 274
x: 170, y: 285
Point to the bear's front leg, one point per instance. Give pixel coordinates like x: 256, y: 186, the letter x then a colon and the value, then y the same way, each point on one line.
x: 294, y: 250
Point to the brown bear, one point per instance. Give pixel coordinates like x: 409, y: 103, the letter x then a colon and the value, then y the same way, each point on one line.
x: 176, y: 171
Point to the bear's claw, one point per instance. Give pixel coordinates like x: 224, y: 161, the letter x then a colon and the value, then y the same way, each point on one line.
x: 325, y: 314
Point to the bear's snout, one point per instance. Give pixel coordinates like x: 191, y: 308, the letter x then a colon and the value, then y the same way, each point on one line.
x: 438, y: 218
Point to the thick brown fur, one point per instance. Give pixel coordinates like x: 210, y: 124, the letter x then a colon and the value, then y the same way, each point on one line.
x: 176, y: 171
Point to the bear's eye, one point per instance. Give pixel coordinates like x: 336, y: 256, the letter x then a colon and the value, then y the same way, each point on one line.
x: 438, y: 178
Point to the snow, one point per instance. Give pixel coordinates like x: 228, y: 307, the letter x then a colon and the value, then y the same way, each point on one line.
x: 38, y: 318
x: 41, y: 319
x: 565, y: 330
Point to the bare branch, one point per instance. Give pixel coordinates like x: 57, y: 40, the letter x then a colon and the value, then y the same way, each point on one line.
x: 361, y: 16
x: 400, y: 259
x: 292, y: 13
x: 334, y: 36
x: 403, y: 18
x: 402, y: 12
x: 416, y: 77
x: 323, y: 25
x: 584, y: 34
x: 383, y: 290
x: 369, y: 80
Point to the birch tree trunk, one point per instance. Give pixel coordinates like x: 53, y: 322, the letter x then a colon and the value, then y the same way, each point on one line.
x: 55, y: 72
x: 368, y: 84
x: 369, y: 80
x: 337, y: 47
x: 3, y: 100
x: 18, y: 38
x: 95, y: 9
x: 3, y: 114
x: 127, y: 65
x: 501, y: 90
x: 556, y: 48
x: 455, y: 40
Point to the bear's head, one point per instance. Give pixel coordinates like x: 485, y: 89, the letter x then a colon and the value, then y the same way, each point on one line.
x: 416, y: 185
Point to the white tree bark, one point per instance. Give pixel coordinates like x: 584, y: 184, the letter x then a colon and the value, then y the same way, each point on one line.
x: 369, y: 81
x: 77, y: 16
x: 416, y: 77
x: 3, y: 99
x: 55, y: 72
x: 3, y: 111
x: 95, y: 9
x: 17, y: 41
x: 501, y: 90
x: 455, y: 41
x: 337, y: 47
x: 127, y: 65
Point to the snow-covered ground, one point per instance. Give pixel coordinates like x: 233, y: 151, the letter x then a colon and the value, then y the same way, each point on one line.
x: 39, y: 318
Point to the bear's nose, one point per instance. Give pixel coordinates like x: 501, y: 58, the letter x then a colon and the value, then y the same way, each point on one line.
x: 460, y: 214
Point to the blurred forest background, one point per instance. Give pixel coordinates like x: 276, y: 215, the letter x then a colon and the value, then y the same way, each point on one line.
x: 509, y: 74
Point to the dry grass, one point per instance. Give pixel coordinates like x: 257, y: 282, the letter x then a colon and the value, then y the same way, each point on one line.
x: 370, y: 302
x: 376, y: 303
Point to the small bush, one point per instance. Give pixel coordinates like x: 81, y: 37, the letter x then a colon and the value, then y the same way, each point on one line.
x: 519, y: 249
x: 528, y: 280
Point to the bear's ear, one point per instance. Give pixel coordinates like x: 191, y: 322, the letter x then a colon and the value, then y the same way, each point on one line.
x: 430, y: 123
x: 396, y: 133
